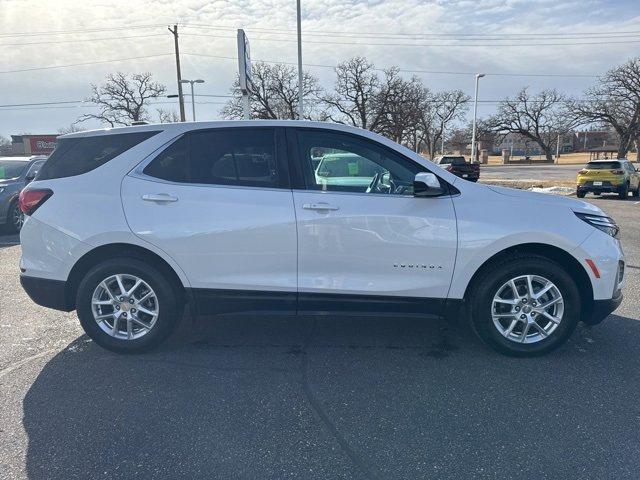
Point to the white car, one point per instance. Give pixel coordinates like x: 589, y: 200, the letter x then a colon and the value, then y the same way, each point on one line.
x: 129, y: 225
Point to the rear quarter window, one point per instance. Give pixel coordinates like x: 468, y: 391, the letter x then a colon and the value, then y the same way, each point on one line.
x: 75, y: 156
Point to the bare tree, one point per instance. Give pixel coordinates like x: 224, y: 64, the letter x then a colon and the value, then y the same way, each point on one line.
x: 615, y: 101
x: 539, y: 118
x: 355, y: 95
x: 399, y: 104
x: 70, y: 129
x: 276, y: 94
x: 123, y: 100
x: 439, y: 112
x: 167, y: 116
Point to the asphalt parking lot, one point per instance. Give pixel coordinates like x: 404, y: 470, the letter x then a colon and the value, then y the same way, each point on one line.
x: 325, y: 398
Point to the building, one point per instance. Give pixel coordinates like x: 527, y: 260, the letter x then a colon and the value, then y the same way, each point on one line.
x: 27, y: 145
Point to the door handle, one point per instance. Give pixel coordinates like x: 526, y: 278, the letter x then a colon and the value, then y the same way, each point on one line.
x: 319, y: 206
x: 159, y: 197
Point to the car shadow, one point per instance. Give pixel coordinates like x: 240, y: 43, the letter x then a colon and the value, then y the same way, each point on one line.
x: 329, y: 397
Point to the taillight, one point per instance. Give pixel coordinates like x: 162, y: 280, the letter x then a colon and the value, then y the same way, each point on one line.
x: 617, y: 172
x: 31, y: 199
x: 582, y: 172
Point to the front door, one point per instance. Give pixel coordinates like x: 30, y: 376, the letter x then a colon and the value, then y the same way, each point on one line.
x: 218, y: 202
x: 361, y: 232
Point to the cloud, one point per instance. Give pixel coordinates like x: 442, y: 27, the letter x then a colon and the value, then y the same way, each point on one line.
x: 323, y: 18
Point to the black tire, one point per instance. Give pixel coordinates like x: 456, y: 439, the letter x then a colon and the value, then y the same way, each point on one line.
x: 13, y: 214
x: 636, y: 193
x: 624, y: 191
x: 580, y: 194
x: 169, y: 312
x: 597, y: 194
x: 488, y: 284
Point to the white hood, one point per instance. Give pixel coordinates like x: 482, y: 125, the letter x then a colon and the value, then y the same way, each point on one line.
x: 572, y: 203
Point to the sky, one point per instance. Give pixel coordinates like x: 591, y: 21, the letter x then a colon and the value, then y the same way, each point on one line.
x: 448, y: 41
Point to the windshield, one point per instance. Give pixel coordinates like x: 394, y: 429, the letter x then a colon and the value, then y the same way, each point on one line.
x: 11, y: 169
x: 603, y: 165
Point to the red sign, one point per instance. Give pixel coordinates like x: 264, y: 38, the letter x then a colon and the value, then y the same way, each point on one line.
x: 42, y: 144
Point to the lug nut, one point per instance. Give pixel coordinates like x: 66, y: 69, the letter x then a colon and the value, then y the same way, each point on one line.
x: 124, y: 314
x: 523, y: 317
x: 131, y: 300
x: 517, y: 309
x: 524, y: 300
x: 117, y: 307
x: 534, y: 303
x: 533, y: 314
x: 133, y: 310
x: 120, y: 299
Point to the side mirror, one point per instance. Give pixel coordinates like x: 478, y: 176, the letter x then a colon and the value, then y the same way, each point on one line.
x: 426, y: 184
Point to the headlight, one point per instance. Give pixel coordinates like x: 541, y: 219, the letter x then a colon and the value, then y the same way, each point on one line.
x: 606, y: 224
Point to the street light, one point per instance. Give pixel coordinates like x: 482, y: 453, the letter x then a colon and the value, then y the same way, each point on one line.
x: 193, y: 102
x: 475, y: 115
x: 299, y: 28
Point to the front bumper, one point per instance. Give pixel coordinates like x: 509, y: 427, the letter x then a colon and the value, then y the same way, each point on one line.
x: 46, y: 292
x: 601, y: 309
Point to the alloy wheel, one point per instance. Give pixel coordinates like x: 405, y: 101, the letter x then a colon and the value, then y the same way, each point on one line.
x: 125, y: 306
x: 17, y: 218
x: 527, y: 309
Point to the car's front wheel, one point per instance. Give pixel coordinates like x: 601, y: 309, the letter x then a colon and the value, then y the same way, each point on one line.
x: 525, y: 306
x: 624, y: 191
x: 126, y: 305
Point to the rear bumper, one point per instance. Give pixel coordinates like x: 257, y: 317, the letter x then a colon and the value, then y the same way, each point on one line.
x: 601, y: 309
x: 606, y: 187
x: 47, y: 293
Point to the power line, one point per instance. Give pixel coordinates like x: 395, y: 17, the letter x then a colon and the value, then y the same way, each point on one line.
x: 81, y: 40
x: 32, y: 69
x: 431, y: 72
x: 76, y: 31
x: 455, y: 45
x: 403, y: 34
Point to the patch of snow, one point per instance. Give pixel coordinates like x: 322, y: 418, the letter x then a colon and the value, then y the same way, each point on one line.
x: 554, y: 190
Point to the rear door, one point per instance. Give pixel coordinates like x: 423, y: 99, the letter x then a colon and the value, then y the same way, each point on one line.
x: 362, y: 232
x: 219, y: 203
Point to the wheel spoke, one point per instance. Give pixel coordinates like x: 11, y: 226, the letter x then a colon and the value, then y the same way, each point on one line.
x: 135, y: 286
x: 106, y: 289
x: 147, y: 311
x: 508, y: 301
x: 120, y: 285
x: 530, y: 285
x: 129, y: 327
x: 540, y: 329
x: 549, y: 303
x: 523, y: 335
x: 512, y: 325
x: 135, y: 319
x: 513, y: 286
x: 551, y: 317
x: 114, y: 328
x: 105, y: 316
x: 146, y: 296
x: 544, y: 290
x: 103, y: 302
x: 503, y: 315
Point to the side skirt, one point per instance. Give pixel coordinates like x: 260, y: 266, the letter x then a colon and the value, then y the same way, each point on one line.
x: 216, y: 302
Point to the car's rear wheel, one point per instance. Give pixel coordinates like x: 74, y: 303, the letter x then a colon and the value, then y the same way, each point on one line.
x: 525, y: 306
x: 624, y: 191
x: 580, y: 193
x: 16, y: 217
x: 636, y: 192
x: 127, y: 306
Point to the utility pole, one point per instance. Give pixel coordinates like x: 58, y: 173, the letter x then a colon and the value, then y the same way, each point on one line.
x: 558, y: 148
x: 475, y: 115
x: 300, y: 92
x: 180, y: 96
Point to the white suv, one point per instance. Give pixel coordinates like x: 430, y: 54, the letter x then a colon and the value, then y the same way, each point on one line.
x: 129, y: 225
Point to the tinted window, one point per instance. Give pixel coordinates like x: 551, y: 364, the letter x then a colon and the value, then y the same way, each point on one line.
x: 11, y: 169
x: 171, y: 164
x: 242, y: 156
x: 75, y: 156
x: 34, y: 169
x: 603, y: 165
x: 348, y: 163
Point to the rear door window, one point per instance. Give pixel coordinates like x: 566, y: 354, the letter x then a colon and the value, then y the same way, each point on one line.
x: 239, y: 157
x: 75, y: 156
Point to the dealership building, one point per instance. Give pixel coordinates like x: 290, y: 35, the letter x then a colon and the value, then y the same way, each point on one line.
x: 26, y: 145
